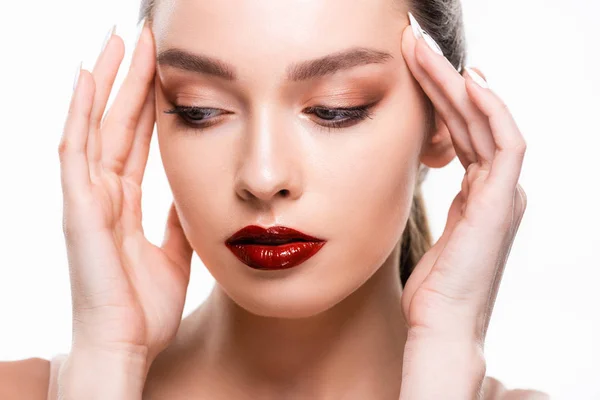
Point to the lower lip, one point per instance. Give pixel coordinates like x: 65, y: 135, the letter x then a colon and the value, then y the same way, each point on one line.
x: 259, y: 256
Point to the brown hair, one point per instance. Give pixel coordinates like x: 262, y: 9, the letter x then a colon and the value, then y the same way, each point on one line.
x: 443, y: 20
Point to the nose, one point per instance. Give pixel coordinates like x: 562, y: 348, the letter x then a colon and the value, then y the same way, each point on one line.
x: 270, y: 166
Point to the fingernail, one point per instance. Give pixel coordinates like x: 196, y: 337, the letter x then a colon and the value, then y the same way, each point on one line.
x: 77, y: 75
x: 421, y: 33
x: 477, y: 78
x: 106, y: 39
x: 140, y: 28
x: 108, y: 36
x: 432, y: 44
x: 416, y: 28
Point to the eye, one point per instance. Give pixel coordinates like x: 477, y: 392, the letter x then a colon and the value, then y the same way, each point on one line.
x: 338, y: 118
x: 194, y: 116
x: 335, y: 118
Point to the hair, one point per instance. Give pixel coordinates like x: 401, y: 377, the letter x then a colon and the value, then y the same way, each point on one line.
x: 443, y: 20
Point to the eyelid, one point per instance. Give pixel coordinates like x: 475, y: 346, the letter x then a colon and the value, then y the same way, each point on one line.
x: 354, y: 115
x: 339, y: 108
x: 351, y: 116
x: 343, y: 103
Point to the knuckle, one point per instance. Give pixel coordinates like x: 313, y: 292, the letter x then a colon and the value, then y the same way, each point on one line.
x: 128, y: 122
x: 77, y: 204
x: 66, y: 228
x: 519, y: 147
x: 114, y: 164
x: 502, y: 108
x: 69, y: 231
x: 474, y: 124
x: 64, y: 146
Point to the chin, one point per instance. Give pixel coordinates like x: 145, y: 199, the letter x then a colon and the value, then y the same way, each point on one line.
x: 304, y: 291
x: 280, y: 303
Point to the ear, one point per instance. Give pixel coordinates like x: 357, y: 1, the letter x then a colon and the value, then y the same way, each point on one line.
x: 438, y: 151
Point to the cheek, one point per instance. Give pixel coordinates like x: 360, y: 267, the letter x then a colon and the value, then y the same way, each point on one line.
x: 375, y: 190
x: 367, y: 190
x: 195, y: 164
x: 198, y: 172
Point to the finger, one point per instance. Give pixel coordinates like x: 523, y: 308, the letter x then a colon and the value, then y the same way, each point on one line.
x: 138, y: 157
x: 452, y: 86
x: 466, y: 270
x: 175, y: 243
x: 479, y: 72
x: 75, y: 174
x: 520, y: 201
x: 104, y: 72
x: 470, y: 270
x: 454, y: 121
x: 121, y: 122
x: 429, y: 259
x: 510, y: 144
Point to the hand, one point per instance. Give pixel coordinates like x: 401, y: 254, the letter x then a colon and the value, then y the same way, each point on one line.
x: 128, y: 294
x: 449, y: 297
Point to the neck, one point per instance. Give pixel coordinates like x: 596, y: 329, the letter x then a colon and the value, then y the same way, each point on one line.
x: 355, y: 346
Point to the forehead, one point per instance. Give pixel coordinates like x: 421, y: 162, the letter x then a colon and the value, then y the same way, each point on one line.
x: 251, y: 31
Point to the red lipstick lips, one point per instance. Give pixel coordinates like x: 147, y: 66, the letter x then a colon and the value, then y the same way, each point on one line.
x: 274, y: 248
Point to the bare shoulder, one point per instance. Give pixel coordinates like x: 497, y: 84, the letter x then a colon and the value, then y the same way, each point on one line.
x: 24, y: 379
x: 493, y: 389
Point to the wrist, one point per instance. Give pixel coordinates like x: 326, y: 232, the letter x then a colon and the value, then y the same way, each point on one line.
x: 93, y: 373
x: 442, y: 367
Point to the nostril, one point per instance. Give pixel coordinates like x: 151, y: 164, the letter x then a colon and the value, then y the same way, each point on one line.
x: 284, y: 192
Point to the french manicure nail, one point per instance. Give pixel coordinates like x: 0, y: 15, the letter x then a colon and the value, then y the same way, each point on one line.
x: 140, y: 28
x: 416, y: 28
x: 432, y: 44
x: 477, y: 78
x: 77, y: 75
x: 108, y: 36
x: 421, y: 33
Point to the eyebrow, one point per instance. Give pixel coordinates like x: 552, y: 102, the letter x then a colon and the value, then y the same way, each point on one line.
x: 311, y: 69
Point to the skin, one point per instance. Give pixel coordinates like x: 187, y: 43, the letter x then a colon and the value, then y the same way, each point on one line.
x: 339, y: 325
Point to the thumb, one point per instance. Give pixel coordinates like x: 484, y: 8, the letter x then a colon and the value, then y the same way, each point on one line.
x: 427, y: 261
x: 175, y: 243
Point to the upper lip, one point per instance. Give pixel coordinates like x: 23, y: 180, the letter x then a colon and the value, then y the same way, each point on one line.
x: 254, y: 234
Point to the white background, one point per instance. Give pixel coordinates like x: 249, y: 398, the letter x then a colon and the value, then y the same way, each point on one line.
x: 541, y: 56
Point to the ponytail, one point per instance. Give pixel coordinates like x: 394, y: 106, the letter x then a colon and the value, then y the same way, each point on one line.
x: 416, y: 238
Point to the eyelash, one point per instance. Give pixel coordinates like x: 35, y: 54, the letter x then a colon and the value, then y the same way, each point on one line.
x: 353, y: 115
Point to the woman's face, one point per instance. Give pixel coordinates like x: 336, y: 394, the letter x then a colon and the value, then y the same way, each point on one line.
x: 258, y: 155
